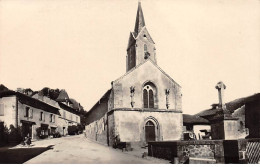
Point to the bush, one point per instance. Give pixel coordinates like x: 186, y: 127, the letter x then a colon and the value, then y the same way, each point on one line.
x: 12, y: 134
x: 56, y: 135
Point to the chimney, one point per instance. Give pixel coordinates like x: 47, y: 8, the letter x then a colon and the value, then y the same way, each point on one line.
x: 220, y: 87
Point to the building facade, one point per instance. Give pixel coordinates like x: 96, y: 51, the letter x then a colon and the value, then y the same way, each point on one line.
x: 35, y: 115
x: 18, y: 110
x: 145, y: 104
x: 68, y: 115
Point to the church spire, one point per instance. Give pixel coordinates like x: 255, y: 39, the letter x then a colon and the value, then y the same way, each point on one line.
x: 140, y: 44
x: 139, y: 23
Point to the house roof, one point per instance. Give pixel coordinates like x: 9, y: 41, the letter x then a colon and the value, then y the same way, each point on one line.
x: 194, y: 120
x: 76, y: 105
x: 68, y: 108
x: 231, y: 106
x: 63, y: 96
x: 3, y: 88
x: 25, y: 99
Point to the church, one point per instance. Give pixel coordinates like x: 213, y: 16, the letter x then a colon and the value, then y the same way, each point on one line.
x: 145, y: 104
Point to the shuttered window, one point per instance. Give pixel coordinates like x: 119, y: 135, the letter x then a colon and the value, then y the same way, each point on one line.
x: 2, y: 112
x: 31, y: 113
x: 50, y: 117
x: 27, y: 111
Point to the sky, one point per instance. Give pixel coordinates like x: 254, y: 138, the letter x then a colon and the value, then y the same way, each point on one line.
x: 80, y: 46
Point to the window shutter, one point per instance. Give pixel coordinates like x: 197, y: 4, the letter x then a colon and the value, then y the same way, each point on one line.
x: 2, y: 113
x: 31, y: 113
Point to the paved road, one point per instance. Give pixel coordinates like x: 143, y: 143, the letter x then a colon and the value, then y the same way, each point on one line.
x: 80, y: 150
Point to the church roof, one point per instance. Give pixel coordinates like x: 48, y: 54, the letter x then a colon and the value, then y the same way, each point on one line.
x: 139, y: 23
x: 148, y: 60
x: 104, y: 97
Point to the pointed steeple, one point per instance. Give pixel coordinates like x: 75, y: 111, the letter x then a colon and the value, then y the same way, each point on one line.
x: 140, y: 44
x: 139, y: 23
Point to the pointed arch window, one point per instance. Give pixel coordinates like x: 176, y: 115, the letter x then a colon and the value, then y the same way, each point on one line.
x: 149, y: 92
x: 145, y: 48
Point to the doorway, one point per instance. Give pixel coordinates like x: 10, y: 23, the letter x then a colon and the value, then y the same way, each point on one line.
x: 149, y: 131
x: 26, y: 129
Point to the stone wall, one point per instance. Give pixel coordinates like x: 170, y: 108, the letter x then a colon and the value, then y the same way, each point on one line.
x: 206, y: 151
x: 97, y: 130
x: 198, y: 151
x: 111, y: 129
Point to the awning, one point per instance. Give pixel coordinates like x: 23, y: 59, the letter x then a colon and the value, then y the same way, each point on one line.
x: 28, y: 122
x: 53, y: 126
x: 46, y: 125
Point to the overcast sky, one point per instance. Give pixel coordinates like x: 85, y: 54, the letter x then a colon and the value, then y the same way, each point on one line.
x: 80, y: 45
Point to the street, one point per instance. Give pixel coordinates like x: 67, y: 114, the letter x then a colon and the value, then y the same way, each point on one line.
x: 80, y: 150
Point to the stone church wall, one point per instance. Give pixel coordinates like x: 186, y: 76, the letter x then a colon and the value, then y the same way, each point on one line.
x: 111, y: 129
x: 130, y: 125
x: 147, y: 72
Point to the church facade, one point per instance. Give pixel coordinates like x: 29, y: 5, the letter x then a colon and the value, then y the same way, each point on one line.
x: 145, y: 104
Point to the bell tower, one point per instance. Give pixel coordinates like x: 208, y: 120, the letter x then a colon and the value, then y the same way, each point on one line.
x: 140, y: 44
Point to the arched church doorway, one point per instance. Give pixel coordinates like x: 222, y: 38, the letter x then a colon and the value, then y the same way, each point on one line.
x: 149, y: 131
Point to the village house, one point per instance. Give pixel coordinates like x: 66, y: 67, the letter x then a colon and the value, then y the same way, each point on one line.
x: 238, y: 119
x: 18, y: 110
x: 69, y: 115
x: 37, y: 115
x: 145, y: 104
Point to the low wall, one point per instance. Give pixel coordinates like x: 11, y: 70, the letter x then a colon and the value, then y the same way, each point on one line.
x: 207, y: 151
x: 97, y: 131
